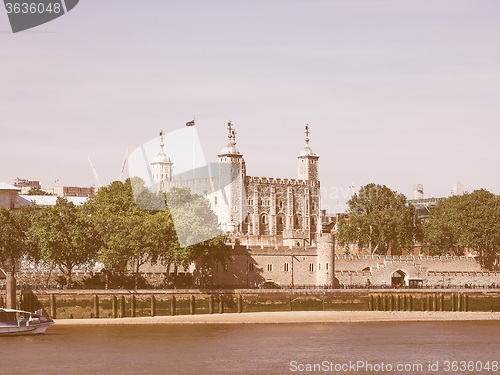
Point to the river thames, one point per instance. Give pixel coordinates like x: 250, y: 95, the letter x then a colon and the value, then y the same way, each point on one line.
x: 337, y: 348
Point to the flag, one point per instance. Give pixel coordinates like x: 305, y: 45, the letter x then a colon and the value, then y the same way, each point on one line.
x: 190, y: 123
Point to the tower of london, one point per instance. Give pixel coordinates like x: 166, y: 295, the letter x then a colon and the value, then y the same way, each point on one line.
x: 274, y: 223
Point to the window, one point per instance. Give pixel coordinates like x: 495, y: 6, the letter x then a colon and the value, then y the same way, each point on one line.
x: 280, y: 220
x: 280, y: 204
x: 269, y: 267
x: 285, y: 267
x: 263, y: 219
x: 313, y: 206
x: 326, y: 266
x: 250, y: 267
x: 311, y: 267
x: 215, y: 201
x: 246, y: 219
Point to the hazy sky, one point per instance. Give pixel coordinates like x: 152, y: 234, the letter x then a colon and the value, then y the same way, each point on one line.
x: 395, y: 92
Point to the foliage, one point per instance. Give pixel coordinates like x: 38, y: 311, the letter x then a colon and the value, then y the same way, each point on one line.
x: 65, y: 236
x: 15, y: 243
x: 470, y: 221
x: 37, y: 191
x: 379, y: 219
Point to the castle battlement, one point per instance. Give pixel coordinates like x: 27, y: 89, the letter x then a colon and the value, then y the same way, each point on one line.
x: 388, y: 258
x: 282, y: 181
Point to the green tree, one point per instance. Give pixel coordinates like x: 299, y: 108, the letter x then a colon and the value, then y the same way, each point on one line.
x: 379, y: 219
x: 15, y: 245
x: 66, y: 237
x: 199, y: 238
x: 37, y: 191
x: 470, y: 221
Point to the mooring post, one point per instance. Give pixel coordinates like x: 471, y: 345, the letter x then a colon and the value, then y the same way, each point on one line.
x: 53, y: 314
x: 240, y: 304
x: 122, y: 306
x: 211, y: 304
x: 132, y: 306
x: 221, y: 304
x: 96, y: 306
x: 114, y: 307
x: 153, y: 305
x: 10, y: 286
x: 192, y: 305
x: 172, y: 306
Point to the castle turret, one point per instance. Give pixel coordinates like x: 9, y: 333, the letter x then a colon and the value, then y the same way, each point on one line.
x: 326, y: 260
x: 308, y: 161
x: 161, y: 167
x: 232, y: 206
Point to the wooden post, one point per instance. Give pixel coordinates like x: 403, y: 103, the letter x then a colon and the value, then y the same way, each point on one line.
x: 434, y: 302
x: 53, y: 307
x: 1, y: 302
x: 153, y: 305
x: 390, y: 305
x: 453, y: 303
x: 459, y: 302
x: 221, y: 304
x: 429, y: 302
x: 122, y: 306
x: 192, y: 305
x: 211, y: 304
x: 466, y: 302
x: 370, y: 302
x: 132, y: 306
x: 96, y: 306
x: 172, y: 306
x: 410, y: 302
x: 422, y: 303
x: 377, y: 302
x: 441, y: 302
x: 114, y: 306
x: 240, y: 304
x: 10, y: 295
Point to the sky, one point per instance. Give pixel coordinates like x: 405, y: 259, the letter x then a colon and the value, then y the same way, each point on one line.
x: 395, y: 92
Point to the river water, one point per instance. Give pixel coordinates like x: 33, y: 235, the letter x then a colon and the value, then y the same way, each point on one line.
x: 255, y: 349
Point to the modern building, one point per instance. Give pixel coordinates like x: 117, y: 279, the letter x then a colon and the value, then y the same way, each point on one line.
x: 8, y: 195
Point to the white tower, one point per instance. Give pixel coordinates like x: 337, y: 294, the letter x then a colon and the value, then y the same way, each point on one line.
x: 161, y: 168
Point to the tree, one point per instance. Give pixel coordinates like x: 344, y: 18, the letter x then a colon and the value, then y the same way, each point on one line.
x: 379, y: 219
x: 470, y: 221
x: 132, y: 223
x: 66, y: 237
x: 15, y: 245
x: 199, y: 238
x: 37, y: 191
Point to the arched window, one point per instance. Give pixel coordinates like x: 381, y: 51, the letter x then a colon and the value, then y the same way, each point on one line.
x: 263, y: 219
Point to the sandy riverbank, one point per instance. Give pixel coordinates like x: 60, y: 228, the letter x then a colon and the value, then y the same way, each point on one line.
x: 294, y: 317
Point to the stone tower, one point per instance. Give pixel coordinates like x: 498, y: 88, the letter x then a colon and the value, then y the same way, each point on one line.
x: 308, y: 162
x: 232, y: 204
x: 325, y: 274
x: 161, y: 167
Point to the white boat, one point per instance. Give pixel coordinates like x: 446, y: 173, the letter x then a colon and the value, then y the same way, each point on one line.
x: 17, y: 322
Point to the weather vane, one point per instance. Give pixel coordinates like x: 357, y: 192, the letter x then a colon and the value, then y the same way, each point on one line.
x: 307, y: 134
